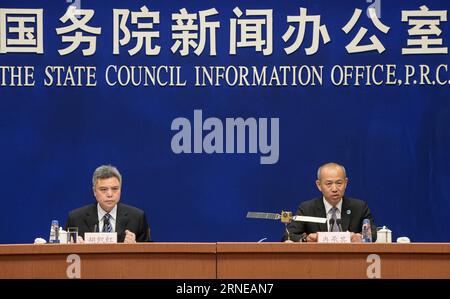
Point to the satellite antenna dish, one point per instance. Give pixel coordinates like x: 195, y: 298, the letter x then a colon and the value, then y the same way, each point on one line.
x: 286, y: 218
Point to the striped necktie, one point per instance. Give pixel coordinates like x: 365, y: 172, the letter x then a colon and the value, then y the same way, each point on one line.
x: 107, y: 227
x: 335, y: 227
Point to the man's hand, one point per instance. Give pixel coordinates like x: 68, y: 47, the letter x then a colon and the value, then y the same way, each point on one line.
x: 130, y: 237
x: 80, y: 239
x: 356, y: 238
x: 311, y: 237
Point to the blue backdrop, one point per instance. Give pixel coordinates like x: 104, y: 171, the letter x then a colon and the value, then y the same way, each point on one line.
x: 393, y: 139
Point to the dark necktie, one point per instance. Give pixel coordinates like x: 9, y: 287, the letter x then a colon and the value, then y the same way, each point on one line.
x: 107, y: 227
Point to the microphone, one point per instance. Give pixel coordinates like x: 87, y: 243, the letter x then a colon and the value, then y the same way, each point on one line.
x: 331, y: 225
x: 95, y: 227
x: 339, y: 223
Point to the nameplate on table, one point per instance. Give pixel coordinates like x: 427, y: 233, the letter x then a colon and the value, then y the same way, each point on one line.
x: 100, y: 238
x: 333, y: 237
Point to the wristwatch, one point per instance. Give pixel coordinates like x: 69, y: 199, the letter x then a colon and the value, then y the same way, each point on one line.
x: 303, y: 238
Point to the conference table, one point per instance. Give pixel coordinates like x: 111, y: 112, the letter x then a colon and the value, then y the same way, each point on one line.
x: 140, y: 260
x: 226, y: 260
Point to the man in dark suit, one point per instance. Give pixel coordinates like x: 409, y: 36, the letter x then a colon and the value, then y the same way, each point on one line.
x: 108, y: 215
x: 331, y: 181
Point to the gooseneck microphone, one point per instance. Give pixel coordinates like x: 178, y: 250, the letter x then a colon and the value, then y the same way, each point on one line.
x: 330, y: 229
x: 96, y: 227
x: 339, y: 224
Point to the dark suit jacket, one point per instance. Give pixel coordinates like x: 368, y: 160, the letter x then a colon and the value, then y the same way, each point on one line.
x: 128, y: 217
x: 354, y: 211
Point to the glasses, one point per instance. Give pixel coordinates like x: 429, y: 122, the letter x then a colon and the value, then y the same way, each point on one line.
x: 105, y: 190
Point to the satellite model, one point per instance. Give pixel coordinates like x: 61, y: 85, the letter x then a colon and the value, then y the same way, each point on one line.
x: 286, y: 218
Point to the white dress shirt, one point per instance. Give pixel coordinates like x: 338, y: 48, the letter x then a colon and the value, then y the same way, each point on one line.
x: 329, y: 212
x: 102, y: 213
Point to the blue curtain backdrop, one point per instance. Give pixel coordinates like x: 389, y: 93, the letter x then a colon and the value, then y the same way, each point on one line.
x: 393, y: 139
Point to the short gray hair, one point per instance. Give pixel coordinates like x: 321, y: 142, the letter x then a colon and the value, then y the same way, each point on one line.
x: 330, y: 164
x: 106, y: 172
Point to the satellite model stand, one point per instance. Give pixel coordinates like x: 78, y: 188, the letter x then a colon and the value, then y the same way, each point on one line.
x: 286, y: 218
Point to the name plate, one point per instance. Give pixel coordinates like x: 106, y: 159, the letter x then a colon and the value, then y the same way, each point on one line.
x: 100, y: 238
x: 333, y: 237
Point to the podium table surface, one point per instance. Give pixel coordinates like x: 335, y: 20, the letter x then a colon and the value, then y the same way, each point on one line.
x: 328, y: 261
x: 226, y: 260
x: 140, y: 260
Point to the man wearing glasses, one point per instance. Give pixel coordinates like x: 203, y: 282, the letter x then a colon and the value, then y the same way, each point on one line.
x: 342, y: 213
x: 108, y: 215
